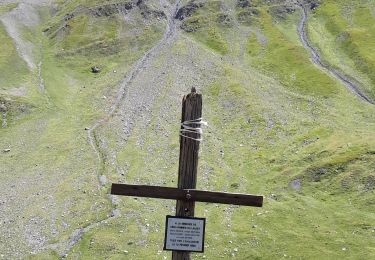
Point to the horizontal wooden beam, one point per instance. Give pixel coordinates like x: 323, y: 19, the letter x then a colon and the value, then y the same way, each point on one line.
x: 186, y: 195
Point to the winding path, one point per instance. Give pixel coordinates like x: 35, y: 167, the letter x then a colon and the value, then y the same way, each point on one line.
x: 137, y: 68
x: 317, y: 59
x: 169, y: 33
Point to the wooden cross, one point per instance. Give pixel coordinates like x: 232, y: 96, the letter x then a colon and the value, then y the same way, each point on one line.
x: 186, y: 193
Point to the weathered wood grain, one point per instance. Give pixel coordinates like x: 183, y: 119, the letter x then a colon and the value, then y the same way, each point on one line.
x: 187, y: 195
x: 188, y: 162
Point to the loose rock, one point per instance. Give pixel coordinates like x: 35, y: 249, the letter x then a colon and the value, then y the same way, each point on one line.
x: 95, y: 69
x: 3, y: 108
x: 243, y: 3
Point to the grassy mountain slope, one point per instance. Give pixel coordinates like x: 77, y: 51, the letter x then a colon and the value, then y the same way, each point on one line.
x: 347, y: 44
x: 278, y: 126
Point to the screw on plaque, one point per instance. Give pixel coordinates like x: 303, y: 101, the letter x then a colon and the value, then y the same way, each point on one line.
x: 188, y: 195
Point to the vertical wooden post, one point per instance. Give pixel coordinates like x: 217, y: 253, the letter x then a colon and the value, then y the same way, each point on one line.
x: 188, y: 163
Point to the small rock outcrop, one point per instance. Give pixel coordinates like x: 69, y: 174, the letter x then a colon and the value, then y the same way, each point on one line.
x: 280, y: 12
x: 247, y: 16
x: 147, y: 12
x: 224, y: 19
x: 188, y: 10
x: 95, y: 69
x: 191, y: 26
x: 3, y: 108
x: 110, y: 9
x: 313, y: 4
x: 243, y: 3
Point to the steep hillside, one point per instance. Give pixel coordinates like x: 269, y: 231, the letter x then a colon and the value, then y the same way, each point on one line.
x: 90, y: 94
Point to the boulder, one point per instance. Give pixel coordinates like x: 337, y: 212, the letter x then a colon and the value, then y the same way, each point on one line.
x: 95, y: 69
x: 188, y: 10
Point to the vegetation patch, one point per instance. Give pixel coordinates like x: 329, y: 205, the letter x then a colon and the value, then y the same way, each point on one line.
x: 316, y: 174
x: 4, y: 8
x: 84, y: 30
x: 281, y: 12
x: 148, y: 12
x: 206, y: 22
x: 348, y: 28
x: 214, y: 39
x: 248, y: 16
x: 289, y: 60
x: 369, y: 182
x: 13, y: 109
x: 10, y: 61
x: 343, y: 173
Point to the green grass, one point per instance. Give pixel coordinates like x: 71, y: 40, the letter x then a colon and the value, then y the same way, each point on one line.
x: 84, y: 30
x: 275, y: 115
x: 288, y: 60
x: 4, y: 8
x: 205, y: 26
x: 49, y: 139
x: 213, y: 38
x: 348, y: 28
x: 10, y: 61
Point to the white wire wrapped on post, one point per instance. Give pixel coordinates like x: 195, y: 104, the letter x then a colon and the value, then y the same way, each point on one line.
x: 187, y: 128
